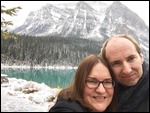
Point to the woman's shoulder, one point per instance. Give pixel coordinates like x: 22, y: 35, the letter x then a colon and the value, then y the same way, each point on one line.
x: 63, y: 105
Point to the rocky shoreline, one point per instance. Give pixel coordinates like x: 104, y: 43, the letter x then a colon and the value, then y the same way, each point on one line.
x: 19, y: 95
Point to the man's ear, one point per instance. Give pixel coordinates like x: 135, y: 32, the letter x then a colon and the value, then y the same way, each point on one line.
x: 142, y: 57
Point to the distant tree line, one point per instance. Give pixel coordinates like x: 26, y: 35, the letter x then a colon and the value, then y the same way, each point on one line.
x: 49, y: 50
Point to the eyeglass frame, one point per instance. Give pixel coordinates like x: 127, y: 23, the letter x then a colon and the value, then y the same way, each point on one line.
x: 99, y: 82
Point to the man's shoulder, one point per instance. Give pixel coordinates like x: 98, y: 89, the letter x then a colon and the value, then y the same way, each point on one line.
x: 144, y: 106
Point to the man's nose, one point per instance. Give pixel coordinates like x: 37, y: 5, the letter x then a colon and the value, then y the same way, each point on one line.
x: 126, y: 68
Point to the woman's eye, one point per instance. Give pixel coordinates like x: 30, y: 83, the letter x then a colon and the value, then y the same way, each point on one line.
x: 92, y: 82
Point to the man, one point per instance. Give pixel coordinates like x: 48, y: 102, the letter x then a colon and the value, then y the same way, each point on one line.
x: 130, y: 70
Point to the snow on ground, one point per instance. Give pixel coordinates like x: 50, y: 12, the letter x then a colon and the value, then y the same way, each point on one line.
x: 36, y: 67
x: 19, y: 95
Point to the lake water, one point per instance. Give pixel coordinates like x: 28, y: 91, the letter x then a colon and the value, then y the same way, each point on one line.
x: 52, y: 77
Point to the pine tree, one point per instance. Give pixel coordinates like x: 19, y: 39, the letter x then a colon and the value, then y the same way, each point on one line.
x: 11, y: 12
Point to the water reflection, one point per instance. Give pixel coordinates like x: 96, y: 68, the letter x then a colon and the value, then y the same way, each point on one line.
x: 51, y: 77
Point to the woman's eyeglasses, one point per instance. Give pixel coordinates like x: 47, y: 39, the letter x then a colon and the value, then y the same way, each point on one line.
x: 94, y: 83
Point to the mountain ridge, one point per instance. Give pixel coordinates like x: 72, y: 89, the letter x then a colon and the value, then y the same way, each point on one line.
x: 85, y: 21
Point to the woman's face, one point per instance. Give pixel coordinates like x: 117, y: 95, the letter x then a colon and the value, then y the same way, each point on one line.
x: 98, y: 98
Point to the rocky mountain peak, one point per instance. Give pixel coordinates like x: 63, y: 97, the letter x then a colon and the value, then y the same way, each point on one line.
x: 86, y: 20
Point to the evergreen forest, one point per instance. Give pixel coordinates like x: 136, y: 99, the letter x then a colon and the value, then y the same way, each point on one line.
x: 46, y: 50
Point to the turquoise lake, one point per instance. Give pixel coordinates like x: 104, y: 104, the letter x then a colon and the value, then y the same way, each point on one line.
x: 51, y: 77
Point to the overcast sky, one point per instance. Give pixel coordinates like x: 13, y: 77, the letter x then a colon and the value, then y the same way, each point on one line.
x: 139, y: 7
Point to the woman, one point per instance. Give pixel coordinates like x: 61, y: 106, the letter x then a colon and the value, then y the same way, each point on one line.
x: 92, y: 89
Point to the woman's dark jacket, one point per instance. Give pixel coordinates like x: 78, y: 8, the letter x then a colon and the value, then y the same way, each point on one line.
x: 63, y: 105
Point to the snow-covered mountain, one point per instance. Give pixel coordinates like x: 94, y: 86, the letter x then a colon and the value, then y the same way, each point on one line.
x: 77, y: 19
x: 121, y: 20
x: 92, y: 20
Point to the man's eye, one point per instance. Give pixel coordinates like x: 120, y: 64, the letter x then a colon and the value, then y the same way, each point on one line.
x: 116, y: 63
x: 131, y: 58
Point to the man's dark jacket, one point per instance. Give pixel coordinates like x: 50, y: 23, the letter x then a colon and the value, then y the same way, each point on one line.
x: 135, y: 98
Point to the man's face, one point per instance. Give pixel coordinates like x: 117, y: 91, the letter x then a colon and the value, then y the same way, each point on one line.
x: 125, y: 61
